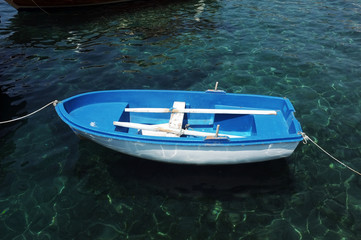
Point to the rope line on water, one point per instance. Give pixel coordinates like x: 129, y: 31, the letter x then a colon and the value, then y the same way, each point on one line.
x: 40, y: 7
x: 306, y: 138
x: 28, y: 115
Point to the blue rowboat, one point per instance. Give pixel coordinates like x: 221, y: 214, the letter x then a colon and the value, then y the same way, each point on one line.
x: 185, y: 127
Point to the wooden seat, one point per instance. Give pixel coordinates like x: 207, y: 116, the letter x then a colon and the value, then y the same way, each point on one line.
x: 175, y: 122
x: 176, y: 119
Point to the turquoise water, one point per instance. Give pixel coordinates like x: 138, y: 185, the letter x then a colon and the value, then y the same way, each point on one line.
x: 56, y: 186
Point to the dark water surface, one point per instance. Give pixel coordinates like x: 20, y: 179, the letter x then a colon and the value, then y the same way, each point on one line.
x: 55, y: 186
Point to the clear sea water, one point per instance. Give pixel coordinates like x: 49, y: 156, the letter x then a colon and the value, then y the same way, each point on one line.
x: 56, y: 186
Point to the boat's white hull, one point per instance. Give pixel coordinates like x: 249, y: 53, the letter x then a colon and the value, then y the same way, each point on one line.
x: 191, y: 154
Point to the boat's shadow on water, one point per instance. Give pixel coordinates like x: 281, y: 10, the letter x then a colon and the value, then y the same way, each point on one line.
x: 218, y: 181
x: 221, y: 180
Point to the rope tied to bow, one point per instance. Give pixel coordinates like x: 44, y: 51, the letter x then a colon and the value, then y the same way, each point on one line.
x: 307, y: 138
x: 28, y: 115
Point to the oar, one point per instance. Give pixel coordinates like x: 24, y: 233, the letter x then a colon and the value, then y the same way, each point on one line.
x: 163, y: 128
x: 199, y: 110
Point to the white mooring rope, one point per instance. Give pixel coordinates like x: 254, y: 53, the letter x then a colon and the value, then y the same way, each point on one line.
x: 306, y: 138
x: 28, y: 115
x: 40, y: 7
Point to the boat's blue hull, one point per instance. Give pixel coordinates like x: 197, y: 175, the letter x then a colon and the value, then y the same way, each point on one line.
x: 242, y: 137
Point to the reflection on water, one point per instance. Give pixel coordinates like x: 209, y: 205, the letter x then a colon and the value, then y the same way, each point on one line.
x: 117, y: 37
x: 119, y: 20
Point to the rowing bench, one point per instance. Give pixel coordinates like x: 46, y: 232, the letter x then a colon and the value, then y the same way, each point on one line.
x: 174, y: 127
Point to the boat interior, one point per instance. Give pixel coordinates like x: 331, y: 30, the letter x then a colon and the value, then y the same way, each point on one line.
x: 218, y: 125
x: 216, y: 120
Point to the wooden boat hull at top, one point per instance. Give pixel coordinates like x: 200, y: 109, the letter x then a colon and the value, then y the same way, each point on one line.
x: 29, y: 4
x: 131, y: 122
